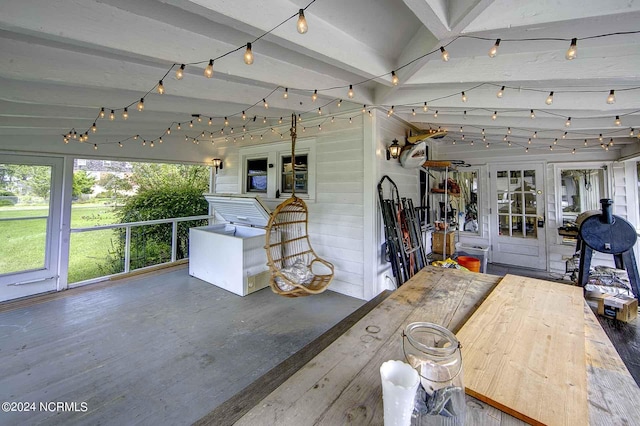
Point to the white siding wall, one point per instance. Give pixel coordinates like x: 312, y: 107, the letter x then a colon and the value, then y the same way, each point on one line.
x: 336, y: 214
x: 383, y: 131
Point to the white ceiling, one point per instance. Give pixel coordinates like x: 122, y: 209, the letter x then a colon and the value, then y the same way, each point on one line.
x: 62, y: 60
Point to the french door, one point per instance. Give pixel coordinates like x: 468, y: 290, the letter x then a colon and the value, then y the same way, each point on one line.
x: 517, y: 213
x: 30, y: 211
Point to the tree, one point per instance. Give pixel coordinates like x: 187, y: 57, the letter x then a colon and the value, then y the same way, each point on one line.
x: 27, y: 179
x: 83, y: 183
x: 114, y: 184
x: 150, y: 176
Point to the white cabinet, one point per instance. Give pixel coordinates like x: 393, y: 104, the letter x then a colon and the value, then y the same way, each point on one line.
x: 231, y: 255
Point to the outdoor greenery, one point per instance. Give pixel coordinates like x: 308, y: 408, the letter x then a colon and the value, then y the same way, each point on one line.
x: 163, y: 191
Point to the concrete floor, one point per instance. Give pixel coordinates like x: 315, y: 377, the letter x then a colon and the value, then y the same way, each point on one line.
x: 159, y: 349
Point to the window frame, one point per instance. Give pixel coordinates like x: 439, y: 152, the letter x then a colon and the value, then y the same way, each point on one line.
x: 275, y: 153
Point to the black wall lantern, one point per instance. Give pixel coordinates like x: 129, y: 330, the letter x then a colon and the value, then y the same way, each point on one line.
x: 393, y: 151
x: 217, y: 163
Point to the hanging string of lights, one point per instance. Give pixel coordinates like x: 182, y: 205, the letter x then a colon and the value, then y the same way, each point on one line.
x: 302, y: 28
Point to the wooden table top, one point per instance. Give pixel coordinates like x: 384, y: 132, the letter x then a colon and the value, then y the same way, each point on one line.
x: 341, y: 385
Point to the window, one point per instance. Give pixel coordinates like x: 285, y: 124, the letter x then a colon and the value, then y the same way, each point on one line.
x: 257, y: 175
x: 301, y: 175
x: 267, y: 170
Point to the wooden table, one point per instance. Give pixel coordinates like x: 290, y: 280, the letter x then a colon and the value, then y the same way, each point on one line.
x: 341, y: 385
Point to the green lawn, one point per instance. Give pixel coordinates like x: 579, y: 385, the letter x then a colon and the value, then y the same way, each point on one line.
x: 23, y: 241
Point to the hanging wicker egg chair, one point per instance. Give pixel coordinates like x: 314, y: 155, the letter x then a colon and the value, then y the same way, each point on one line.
x: 296, y: 269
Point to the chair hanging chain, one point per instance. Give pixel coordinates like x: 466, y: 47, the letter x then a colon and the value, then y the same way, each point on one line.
x: 293, y: 154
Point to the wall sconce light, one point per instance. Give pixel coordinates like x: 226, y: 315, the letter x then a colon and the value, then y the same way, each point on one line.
x: 393, y: 151
x: 217, y: 163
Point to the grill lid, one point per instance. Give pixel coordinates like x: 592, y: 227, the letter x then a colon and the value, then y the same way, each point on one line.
x: 240, y: 209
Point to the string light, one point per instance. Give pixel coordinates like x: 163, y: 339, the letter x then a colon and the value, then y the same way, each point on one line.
x: 495, y: 115
x: 508, y: 130
x: 226, y: 121
x: 248, y: 55
x: 390, y: 112
x: 101, y: 112
x: 435, y: 114
x: 533, y: 114
x: 179, y: 126
x: 302, y: 22
x: 339, y: 103
x: 168, y: 130
x: 611, y: 142
x: 264, y: 120
x: 120, y: 144
x: 444, y: 54
x: 180, y: 72
x: 208, y: 71
x: 125, y: 113
x: 630, y: 131
x: 210, y: 122
x: 611, y: 99
x: 191, y: 124
x: 350, y: 92
x: 573, y: 151
x: 364, y: 109
x: 494, y: 50
x: 600, y: 137
x: 425, y: 108
x: 350, y: 121
x: 319, y: 111
x: 285, y: 95
x: 568, y: 122
x: 526, y: 149
x: 482, y: 132
x: 95, y: 146
x: 462, y: 137
x: 555, y: 141
x: 112, y: 115
x: 141, y: 105
x: 314, y: 96
x: 617, y: 122
x: 95, y: 129
x: 394, y: 78
x: 471, y: 143
x: 550, y: 147
x: 500, y: 92
x: 549, y: 100
x: 151, y: 144
x: 535, y: 135
x: 265, y: 104
x: 160, y: 87
x: 505, y: 138
x: 564, y: 136
x: 529, y: 141
x: 585, y: 142
x: 454, y: 142
x: 572, y: 52
x: 464, y: 97
x: 280, y: 120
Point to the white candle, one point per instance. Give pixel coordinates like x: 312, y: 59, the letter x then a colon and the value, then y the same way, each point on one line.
x: 399, y: 385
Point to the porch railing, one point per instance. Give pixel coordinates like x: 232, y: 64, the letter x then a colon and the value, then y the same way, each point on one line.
x: 128, y: 227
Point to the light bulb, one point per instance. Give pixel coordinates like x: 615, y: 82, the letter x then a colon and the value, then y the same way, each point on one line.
x: 141, y: 105
x: 264, y: 120
x: 394, y: 78
x: 302, y: 22
x: 350, y: 121
x: 631, y: 132
x: 413, y: 112
x: 210, y: 122
x: 533, y: 114
x: 617, y: 122
x: 464, y: 97
x: 125, y: 113
x: 471, y: 143
x: 74, y: 135
x: 180, y: 72
x: 454, y: 142
x: 280, y: 120
x: 600, y: 137
x: 425, y: 108
x: 549, y: 100
x: 462, y: 137
x: 568, y: 122
x: 435, y: 114
x: 95, y: 146
x: 505, y: 138
x: 199, y: 119
x: 95, y: 129
x: 390, y: 113
x: 500, y: 92
x: 226, y: 121
x: 191, y: 124
x: 135, y: 138
x: 573, y: 151
x: 526, y: 149
x: 208, y: 71
x: 112, y: 115
x: 319, y: 111
x: 550, y: 147
x: 160, y: 87
x: 495, y: 115
x: 555, y: 141
x: 286, y: 93
x: 179, y: 126
x: 299, y: 118
x: 535, y: 135
x: 364, y: 109
x: 101, y: 112
x: 151, y: 144
x: 160, y: 140
x: 611, y: 142
x: 508, y: 130
x: 339, y: 103
x: 244, y: 116
x: 248, y: 55
x: 487, y: 145
x: 572, y: 52
x: 564, y: 136
x: 611, y: 99
x: 168, y: 130
x: 445, y: 54
x: 585, y: 142
x: 494, y: 50
x: 244, y: 128
x: 265, y: 104
x: 120, y: 144
x: 509, y: 143
x: 350, y: 92
x: 314, y: 96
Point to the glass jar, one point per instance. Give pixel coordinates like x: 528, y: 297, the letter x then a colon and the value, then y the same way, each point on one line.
x: 435, y: 353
